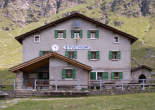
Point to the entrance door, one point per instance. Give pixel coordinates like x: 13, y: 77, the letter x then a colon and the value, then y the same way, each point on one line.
x: 43, y: 80
x: 141, y: 77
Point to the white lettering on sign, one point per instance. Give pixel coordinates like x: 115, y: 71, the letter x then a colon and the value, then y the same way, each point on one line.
x: 75, y: 47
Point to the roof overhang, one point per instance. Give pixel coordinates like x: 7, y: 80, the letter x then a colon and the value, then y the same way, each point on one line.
x: 75, y: 15
x: 42, y: 60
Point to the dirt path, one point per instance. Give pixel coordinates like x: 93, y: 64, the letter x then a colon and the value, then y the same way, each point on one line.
x: 8, y: 103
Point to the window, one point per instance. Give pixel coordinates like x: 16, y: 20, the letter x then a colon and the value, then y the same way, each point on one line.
x: 43, y: 75
x: 76, y: 33
x: 71, y: 54
x: 68, y: 74
x: 93, y: 34
x: 36, y: 38
x: 99, y: 75
x: 114, y: 55
x: 116, y: 39
x: 117, y: 75
x: 60, y: 34
x: 93, y: 55
x: 76, y: 24
x: 41, y: 53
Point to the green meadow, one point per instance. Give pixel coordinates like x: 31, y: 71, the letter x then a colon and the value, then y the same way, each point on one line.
x: 143, y: 101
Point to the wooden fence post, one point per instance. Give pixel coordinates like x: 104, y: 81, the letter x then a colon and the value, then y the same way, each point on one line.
x: 122, y: 85
x: 35, y: 84
x: 100, y: 84
x: 56, y: 85
x: 14, y: 84
x: 143, y: 88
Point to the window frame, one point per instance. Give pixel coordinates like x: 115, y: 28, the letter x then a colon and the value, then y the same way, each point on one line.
x: 96, y: 32
x: 73, y: 52
x: 118, y: 55
x: 116, y: 76
x: 96, y: 75
x: 70, y: 73
x: 77, y: 31
x: 60, y: 31
x: 114, y: 41
x: 92, y: 59
x: 119, y: 77
x: 73, y: 76
x: 34, y: 38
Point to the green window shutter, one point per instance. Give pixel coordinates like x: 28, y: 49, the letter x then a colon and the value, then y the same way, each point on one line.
x: 74, y: 73
x: 112, y: 75
x: 119, y: 55
x: 64, y: 34
x: 97, y: 33
x: 81, y: 33
x: 120, y: 75
x: 110, y: 55
x: 56, y: 33
x: 88, y: 34
x: 63, y: 73
x: 75, y: 54
x: 89, y: 54
x: 93, y: 75
x: 41, y: 53
x: 105, y: 75
x: 98, y: 55
x: 72, y: 33
x: 66, y: 54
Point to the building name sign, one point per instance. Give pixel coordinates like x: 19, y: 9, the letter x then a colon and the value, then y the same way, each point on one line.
x: 76, y: 47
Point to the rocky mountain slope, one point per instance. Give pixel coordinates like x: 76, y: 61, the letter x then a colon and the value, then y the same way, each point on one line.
x: 136, y: 17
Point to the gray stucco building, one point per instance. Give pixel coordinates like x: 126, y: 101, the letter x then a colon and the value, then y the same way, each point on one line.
x: 74, y: 50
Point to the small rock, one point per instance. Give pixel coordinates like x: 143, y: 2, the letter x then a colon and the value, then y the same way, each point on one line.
x: 3, y: 106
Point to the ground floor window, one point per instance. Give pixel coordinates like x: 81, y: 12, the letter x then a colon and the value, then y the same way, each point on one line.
x: 117, y: 75
x: 43, y: 75
x: 99, y: 75
x: 68, y: 73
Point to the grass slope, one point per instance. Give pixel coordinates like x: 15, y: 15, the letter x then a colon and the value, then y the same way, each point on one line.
x: 117, y: 102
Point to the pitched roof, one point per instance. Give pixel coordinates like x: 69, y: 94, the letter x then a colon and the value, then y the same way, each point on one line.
x: 75, y: 15
x: 45, y: 58
x: 141, y: 67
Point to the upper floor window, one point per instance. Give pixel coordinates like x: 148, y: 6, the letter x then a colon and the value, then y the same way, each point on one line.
x: 116, y: 39
x: 117, y: 75
x: 68, y: 73
x: 93, y: 34
x: 93, y: 55
x: 76, y: 33
x: 60, y: 34
x: 71, y: 54
x: 114, y: 55
x: 36, y: 38
x: 76, y: 24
